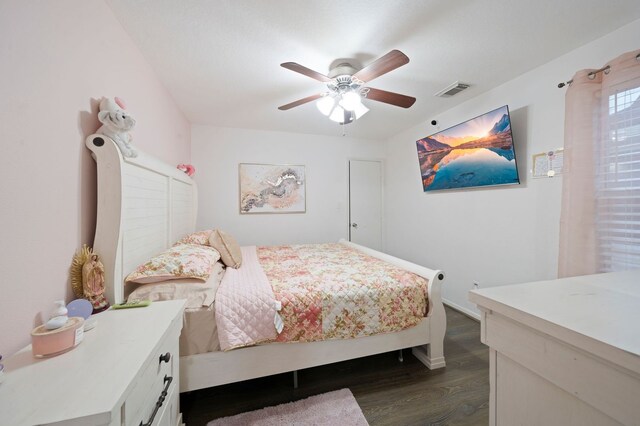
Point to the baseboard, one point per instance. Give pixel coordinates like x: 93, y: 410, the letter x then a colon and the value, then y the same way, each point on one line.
x: 468, y: 312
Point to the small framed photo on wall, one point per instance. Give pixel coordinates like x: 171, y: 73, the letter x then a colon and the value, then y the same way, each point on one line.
x: 272, y: 188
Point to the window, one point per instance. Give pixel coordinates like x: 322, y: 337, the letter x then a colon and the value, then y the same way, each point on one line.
x: 618, y: 183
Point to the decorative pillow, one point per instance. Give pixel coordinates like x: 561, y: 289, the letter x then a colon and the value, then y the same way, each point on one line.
x: 181, y: 261
x: 196, y: 292
x: 228, y: 248
x: 200, y: 238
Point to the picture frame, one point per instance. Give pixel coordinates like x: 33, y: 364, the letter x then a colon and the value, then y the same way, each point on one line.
x: 271, y: 188
x: 547, y: 164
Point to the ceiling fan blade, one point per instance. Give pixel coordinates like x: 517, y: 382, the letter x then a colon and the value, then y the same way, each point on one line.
x: 389, y: 62
x: 300, y: 102
x: 390, y: 98
x: 305, y: 71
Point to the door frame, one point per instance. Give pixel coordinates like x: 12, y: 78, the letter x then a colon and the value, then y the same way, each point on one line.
x: 383, y: 239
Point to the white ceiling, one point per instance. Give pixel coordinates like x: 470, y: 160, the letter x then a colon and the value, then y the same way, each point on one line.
x: 220, y: 59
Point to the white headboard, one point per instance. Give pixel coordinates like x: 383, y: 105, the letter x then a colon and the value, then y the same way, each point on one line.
x: 144, y: 206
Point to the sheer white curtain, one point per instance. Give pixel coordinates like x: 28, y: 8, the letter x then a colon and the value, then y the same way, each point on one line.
x: 600, y: 216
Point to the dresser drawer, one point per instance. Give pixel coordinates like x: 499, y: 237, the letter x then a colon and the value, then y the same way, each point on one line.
x: 155, y: 376
x: 170, y: 410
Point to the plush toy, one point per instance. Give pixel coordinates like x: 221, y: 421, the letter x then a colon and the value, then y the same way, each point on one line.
x: 116, y: 124
x: 187, y: 168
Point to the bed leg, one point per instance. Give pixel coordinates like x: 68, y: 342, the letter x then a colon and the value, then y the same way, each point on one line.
x: 400, y: 358
x: 295, y: 379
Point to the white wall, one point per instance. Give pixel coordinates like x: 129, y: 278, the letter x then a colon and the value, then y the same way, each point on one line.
x: 58, y: 59
x: 497, y: 235
x: 216, y: 153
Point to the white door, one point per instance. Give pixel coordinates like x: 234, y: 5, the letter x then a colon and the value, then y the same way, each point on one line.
x: 365, y: 203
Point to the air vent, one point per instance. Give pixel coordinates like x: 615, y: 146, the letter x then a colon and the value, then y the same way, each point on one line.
x: 452, y: 89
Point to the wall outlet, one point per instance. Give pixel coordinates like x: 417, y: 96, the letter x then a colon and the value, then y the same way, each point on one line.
x: 476, y: 285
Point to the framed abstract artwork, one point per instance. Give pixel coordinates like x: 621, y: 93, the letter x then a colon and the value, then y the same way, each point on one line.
x: 272, y: 188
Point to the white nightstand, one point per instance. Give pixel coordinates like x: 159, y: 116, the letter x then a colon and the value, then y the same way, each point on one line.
x: 116, y: 376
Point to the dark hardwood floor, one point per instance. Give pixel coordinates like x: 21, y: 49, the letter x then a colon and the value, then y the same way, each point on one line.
x: 389, y: 392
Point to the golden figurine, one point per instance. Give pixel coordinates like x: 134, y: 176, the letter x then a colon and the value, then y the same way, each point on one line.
x: 87, y: 279
x: 93, y: 283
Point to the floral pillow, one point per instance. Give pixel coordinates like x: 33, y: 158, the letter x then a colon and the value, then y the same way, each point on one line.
x: 200, y: 237
x: 180, y: 261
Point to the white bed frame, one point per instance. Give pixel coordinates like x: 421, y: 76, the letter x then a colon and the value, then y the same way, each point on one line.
x: 145, y: 205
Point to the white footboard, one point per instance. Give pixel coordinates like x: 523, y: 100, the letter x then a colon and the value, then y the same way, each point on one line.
x: 431, y: 355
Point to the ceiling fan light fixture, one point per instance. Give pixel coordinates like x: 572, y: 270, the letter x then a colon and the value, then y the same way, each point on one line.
x: 350, y: 101
x: 337, y: 115
x: 360, y: 110
x: 349, y: 117
x: 325, y: 104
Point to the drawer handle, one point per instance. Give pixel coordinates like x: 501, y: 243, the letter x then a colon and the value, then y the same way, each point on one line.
x: 161, y: 398
x: 165, y: 358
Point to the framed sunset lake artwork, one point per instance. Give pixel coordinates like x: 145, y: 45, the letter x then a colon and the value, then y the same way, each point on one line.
x: 476, y: 153
x: 272, y: 188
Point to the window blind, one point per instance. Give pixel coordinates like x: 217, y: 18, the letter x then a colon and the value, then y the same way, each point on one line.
x: 618, y: 183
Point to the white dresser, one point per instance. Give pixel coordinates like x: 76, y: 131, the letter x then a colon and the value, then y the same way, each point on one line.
x: 116, y: 376
x: 564, y: 352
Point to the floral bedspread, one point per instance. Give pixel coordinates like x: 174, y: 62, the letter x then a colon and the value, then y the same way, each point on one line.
x: 331, y: 291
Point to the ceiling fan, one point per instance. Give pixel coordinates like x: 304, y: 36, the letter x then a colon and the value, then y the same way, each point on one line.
x: 346, y: 86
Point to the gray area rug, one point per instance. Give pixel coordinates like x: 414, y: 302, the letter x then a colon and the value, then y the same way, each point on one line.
x: 331, y: 408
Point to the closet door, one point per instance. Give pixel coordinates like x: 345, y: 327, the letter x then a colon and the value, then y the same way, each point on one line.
x: 365, y: 203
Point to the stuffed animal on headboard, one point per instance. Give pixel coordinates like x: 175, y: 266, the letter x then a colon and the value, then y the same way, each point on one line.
x: 187, y: 168
x: 116, y: 124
